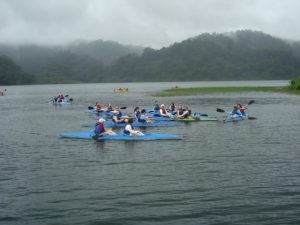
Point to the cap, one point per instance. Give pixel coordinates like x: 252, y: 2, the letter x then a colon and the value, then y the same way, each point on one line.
x: 101, y: 120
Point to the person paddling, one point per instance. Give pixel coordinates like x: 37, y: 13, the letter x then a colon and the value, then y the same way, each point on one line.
x: 156, y: 106
x: 98, y: 107
x: 117, y: 116
x: 100, y: 129
x: 185, y: 113
x: 242, y: 109
x: 137, y: 113
x: 145, y: 119
x: 163, y: 111
x: 236, y: 111
x: 129, y: 129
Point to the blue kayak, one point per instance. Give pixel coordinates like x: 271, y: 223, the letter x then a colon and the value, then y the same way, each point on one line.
x: 59, y: 103
x: 197, y: 118
x: 136, y: 124
x: 106, y: 113
x: 121, y: 136
x: 234, y: 118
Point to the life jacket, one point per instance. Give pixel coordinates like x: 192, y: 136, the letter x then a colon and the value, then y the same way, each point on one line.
x: 156, y: 107
x: 99, y: 128
x: 236, y: 111
x: 164, y: 111
x: 98, y: 107
x: 141, y: 119
x: 137, y: 115
x: 172, y: 107
x: 188, y: 114
x: 126, y: 131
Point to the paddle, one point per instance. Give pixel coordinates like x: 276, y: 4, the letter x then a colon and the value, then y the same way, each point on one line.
x: 91, y: 107
x: 249, y: 117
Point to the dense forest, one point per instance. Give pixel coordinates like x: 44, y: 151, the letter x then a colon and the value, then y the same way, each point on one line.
x: 11, y: 74
x: 240, y: 55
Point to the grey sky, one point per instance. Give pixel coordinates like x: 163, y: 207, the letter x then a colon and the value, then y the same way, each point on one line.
x: 153, y: 23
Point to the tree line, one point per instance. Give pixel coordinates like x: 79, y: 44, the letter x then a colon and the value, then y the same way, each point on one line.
x: 240, y: 55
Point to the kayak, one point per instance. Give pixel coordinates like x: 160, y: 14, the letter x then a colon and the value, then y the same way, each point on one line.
x: 59, y: 103
x: 136, y: 124
x: 107, y: 113
x: 190, y: 119
x: 196, y: 119
x: 122, y: 136
x: 234, y: 118
x: 120, y: 90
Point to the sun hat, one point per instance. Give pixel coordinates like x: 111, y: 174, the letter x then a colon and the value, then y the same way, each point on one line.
x: 101, y: 120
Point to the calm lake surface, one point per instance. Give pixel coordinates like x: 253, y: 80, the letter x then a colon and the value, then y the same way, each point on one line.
x: 221, y: 173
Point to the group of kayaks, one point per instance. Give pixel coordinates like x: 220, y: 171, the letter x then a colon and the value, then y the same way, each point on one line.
x: 158, y: 121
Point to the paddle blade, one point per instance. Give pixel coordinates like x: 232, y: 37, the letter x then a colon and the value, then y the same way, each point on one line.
x: 95, y: 137
x: 220, y: 110
x: 251, y: 102
x: 124, y: 107
x: 251, y: 118
x: 90, y: 107
x: 71, y: 99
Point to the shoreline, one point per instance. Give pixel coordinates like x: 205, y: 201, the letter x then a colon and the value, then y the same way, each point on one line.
x: 212, y: 90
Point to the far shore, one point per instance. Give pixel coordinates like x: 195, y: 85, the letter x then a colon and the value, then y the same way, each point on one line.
x: 176, y: 91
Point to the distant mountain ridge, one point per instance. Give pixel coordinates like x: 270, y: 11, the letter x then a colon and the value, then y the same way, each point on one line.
x: 240, y: 55
x: 11, y: 74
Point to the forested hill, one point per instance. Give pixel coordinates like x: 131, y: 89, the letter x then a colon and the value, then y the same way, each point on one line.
x: 242, y: 55
x: 11, y: 74
x: 80, y: 61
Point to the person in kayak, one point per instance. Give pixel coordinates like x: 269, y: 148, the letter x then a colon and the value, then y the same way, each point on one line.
x: 156, y: 106
x: 236, y: 111
x: 109, y: 107
x: 137, y: 113
x: 185, y: 113
x: 163, y: 111
x: 117, y: 116
x: 143, y: 118
x: 100, y: 129
x: 129, y: 129
x: 242, y: 109
x: 172, y: 108
x: 98, y: 107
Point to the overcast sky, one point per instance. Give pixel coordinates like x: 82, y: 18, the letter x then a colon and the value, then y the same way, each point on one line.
x: 153, y: 23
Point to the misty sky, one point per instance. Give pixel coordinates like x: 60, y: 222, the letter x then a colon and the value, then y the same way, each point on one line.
x: 153, y: 23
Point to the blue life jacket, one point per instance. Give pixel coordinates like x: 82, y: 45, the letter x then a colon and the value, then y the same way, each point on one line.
x: 237, y: 112
x: 137, y: 115
x: 126, y: 131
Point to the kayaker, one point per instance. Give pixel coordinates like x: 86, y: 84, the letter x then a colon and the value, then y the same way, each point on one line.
x: 145, y: 119
x: 242, y: 109
x: 137, y: 113
x: 100, y: 129
x: 129, y: 129
x: 172, y: 107
x: 117, y: 116
x: 98, y: 107
x: 156, y: 106
x: 236, y: 111
x: 163, y: 111
x: 109, y: 107
x: 185, y: 113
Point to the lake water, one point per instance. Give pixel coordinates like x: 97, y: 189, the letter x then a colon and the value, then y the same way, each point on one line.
x: 221, y: 173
